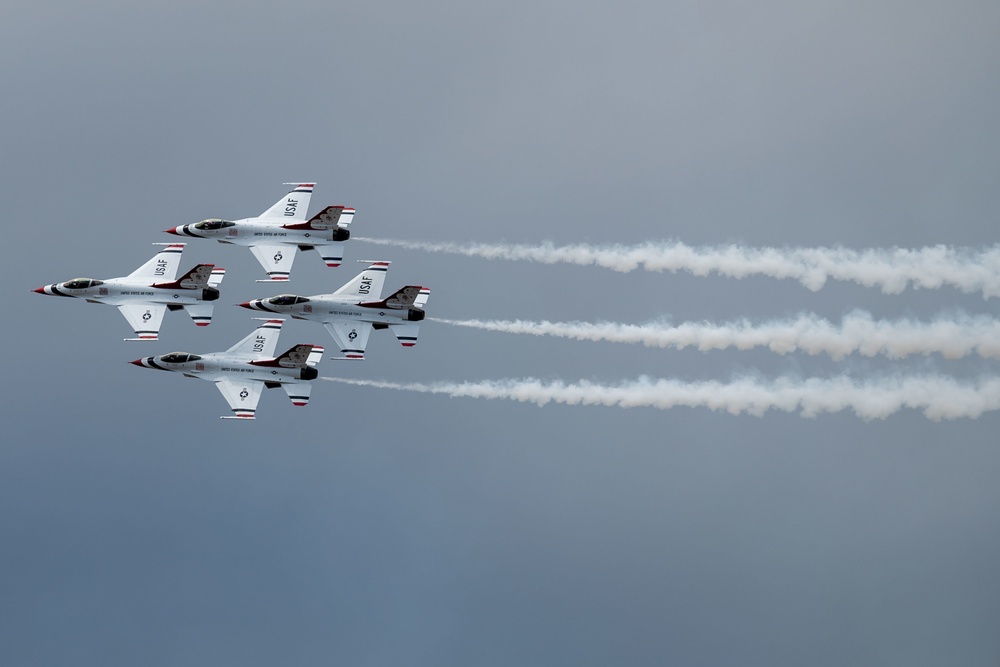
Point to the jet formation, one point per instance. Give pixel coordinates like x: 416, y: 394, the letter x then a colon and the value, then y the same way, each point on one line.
x: 243, y: 371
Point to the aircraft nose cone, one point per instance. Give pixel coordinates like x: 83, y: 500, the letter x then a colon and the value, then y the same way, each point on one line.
x: 245, y: 304
x: 40, y: 290
x: 137, y: 362
x: 172, y: 230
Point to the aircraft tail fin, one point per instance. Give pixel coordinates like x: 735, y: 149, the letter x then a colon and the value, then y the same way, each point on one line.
x: 298, y: 356
x: 196, y: 278
x: 406, y: 297
x: 332, y: 217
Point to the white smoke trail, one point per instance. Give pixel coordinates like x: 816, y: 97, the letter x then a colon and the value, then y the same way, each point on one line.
x: 891, y: 269
x: 937, y: 397
x: 858, y: 333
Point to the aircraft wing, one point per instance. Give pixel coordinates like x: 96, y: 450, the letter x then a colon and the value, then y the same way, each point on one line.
x: 261, y: 342
x: 276, y: 260
x: 367, y: 285
x: 163, y: 267
x: 145, y: 319
x: 351, y: 336
x: 242, y: 397
x: 293, y: 206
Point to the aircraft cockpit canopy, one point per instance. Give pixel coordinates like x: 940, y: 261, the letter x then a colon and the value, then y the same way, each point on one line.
x: 179, y: 357
x: 213, y: 223
x: 286, y: 300
x: 82, y: 283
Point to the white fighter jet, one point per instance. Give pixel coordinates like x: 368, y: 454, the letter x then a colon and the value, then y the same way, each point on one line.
x: 154, y: 288
x: 350, y: 313
x: 274, y: 235
x: 245, y: 369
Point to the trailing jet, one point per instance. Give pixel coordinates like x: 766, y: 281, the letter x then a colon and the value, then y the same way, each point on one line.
x: 274, y: 235
x: 350, y: 313
x: 154, y: 288
x: 245, y: 369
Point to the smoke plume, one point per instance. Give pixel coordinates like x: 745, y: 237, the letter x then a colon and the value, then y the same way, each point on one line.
x: 936, y: 396
x: 890, y: 269
x: 858, y: 332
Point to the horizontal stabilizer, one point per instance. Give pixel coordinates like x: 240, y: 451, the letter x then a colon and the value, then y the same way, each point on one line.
x: 216, y: 278
x: 421, y: 299
x: 315, y: 356
x: 201, y: 313
x: 406, y: 333
x: 332, y: 253
x: 298, y: 392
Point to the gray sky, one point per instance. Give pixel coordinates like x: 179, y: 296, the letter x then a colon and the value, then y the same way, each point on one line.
x: 380, y: 527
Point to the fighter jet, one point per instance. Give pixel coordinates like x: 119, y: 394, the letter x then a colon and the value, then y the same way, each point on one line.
x: 154, y: 288
x: 245, y: 369
x: 350, y: 313
x: 274, y: 235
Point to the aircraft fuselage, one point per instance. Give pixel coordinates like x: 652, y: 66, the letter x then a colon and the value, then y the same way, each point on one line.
x: 118, y: 291
x: 320, y: 309
x: 257, y: 231
x: 219, y: 366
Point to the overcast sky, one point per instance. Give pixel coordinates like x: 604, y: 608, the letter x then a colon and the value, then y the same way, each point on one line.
x: 378, y: 527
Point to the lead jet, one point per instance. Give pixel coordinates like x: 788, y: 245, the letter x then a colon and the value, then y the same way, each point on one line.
x: 243, y: 371
x: 144, y: 295
x: 350, y: 313
x: 274, y: 235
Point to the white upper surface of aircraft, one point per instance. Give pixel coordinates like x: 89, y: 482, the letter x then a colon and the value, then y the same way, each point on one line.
x: 274, y: 235
x: 243, y: 371
x: 147, y: 293
x: 350, y: 313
